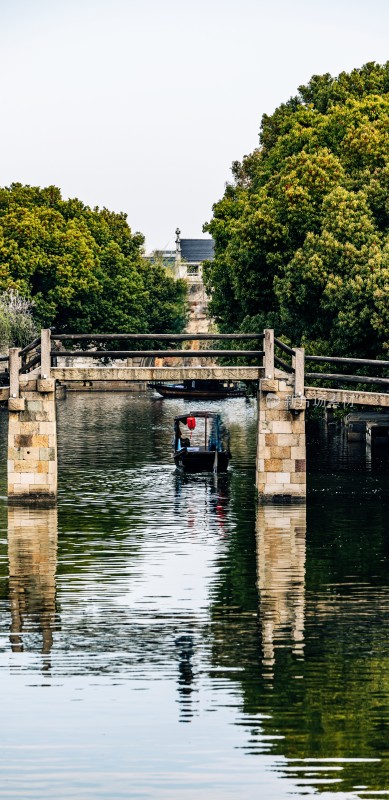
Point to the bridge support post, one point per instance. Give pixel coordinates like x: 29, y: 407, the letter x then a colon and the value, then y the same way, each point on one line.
x: 281, y: 454
x: 32, y: 438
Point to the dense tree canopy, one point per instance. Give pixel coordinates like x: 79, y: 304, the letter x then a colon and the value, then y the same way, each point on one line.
x: 82, y: 268
x: 302, y: 235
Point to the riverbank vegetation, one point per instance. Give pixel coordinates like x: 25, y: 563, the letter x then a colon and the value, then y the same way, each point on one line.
x: 83, y: 268
x: 302, y: 233
x: 17, y: 326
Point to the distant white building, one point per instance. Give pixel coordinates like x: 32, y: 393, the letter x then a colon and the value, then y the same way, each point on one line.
x: 190, y: 255
x: 186, y: 263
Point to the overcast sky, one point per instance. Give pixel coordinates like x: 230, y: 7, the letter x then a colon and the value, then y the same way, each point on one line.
x: 142, y: 105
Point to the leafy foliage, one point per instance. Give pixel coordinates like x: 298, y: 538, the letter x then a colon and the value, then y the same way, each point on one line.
x: 17, y: 326
x: 301, y: 236
x: 83, y: 268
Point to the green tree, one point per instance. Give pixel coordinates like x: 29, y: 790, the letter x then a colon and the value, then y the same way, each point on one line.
x: 83, y: 267
x: 301, y: 235
x: 17, y: 326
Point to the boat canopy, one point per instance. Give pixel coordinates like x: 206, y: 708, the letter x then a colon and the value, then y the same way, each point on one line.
x: 198, y: 414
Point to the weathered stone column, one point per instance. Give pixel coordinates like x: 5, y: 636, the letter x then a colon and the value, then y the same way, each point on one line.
x: 32, y: 434
x: 281, y: 455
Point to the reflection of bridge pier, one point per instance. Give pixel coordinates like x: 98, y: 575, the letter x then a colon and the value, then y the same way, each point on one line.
x: 32, y: 554
x: 281, y: 532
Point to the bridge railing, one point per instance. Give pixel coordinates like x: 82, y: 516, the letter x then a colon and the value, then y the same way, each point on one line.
x: 4, y: 376
x: 30, y: 355
x: 156, y: 352
x: 44, y: 348
x: 333, y: 377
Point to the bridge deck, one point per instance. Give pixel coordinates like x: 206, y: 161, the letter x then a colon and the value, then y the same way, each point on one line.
x: 314, y: 394
x: 346, y: 397
x: 156, y: 373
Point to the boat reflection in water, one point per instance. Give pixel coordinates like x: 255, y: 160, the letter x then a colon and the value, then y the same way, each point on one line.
x: 201, y: 501
x: 281, y: 546
x: 32, y: 555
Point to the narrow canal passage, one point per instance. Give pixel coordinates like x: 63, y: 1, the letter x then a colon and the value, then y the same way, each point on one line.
x: 160, y: 637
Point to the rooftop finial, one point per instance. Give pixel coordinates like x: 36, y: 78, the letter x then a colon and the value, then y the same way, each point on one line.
x: 178, y: 245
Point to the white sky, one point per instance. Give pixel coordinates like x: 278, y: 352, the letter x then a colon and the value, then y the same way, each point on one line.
x: 142, y: 105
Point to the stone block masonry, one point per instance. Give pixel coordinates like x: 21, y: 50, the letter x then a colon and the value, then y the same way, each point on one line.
x: 281, y: 454
x: 32, y: 446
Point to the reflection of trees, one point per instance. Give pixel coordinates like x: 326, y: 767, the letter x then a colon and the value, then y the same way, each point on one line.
x: 281, y: 532
x: 103, y: 432
x: 333, y: 702
x: 32, y: 555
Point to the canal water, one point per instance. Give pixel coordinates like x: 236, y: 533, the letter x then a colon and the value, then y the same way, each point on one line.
x: 163, y: 638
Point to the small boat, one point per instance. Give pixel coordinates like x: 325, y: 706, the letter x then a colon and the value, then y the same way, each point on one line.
x: 202, y: 389
x: 208, y: 450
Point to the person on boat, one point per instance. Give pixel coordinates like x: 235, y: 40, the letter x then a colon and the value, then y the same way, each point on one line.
x: 181, y: 440
x: 178, y: 437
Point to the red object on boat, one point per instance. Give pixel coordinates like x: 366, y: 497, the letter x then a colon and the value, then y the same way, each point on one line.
x: 191, y: 423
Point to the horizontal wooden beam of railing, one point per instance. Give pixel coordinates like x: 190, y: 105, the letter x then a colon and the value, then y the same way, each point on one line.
x: 155, y: 337
x: 3, y: 358
x: 30, y: 346
x: 362, y: 362
x: 283, y: 364
x: 157, y: 353
x: 323, y: 376
x: 284, y: 347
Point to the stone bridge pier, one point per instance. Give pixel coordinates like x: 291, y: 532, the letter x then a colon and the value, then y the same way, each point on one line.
x: 281, y: 452
x: 32, y: 432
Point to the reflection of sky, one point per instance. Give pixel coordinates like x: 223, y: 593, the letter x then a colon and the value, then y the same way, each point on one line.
x: 172, y: 579
x: 166, y: 562
x: 123, y: 741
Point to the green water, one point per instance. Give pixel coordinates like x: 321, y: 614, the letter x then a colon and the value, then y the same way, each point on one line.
x: 161, y: 637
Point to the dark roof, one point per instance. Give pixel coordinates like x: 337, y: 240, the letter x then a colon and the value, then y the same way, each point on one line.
x: 197, y: 250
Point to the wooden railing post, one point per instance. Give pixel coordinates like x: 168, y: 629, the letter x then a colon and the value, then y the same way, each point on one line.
x: 14, y: 367
x: 268, y: 360
x: 299, y: 371
x: 45, y: 352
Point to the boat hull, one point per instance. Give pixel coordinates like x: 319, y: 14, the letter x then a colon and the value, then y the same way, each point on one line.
x: 202, y: 461
x: 200, y: 394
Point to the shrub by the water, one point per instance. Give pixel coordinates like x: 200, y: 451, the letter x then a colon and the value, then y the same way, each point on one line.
x: 17, y: 327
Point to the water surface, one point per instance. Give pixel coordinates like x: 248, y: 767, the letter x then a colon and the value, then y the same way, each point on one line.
x: 161, y: 637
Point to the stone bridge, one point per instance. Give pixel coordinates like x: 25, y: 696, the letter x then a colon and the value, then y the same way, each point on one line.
x: 283, y: 395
